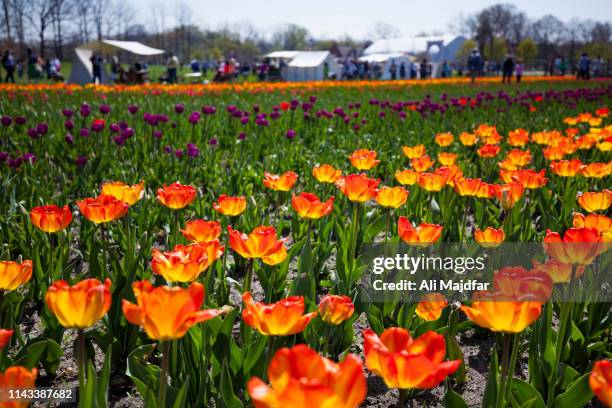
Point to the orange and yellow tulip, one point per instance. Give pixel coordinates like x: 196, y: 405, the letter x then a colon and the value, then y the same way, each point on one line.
x: 600, y: 381
x: 599, y: 222
x: 444, y: 139
x: 334, y: 309
x: 502, y: 316
x: 358, y: 187
x: 467, y: 186
x: 283, y: 318
x: 559, y: 272
x: 508, y: 194
x: 17, y: 378
x: 433, y: 182
x: 176, y: 195
x: 518, y: 137
x: 391, y: 197
x: 431, y: 306
x: 530, y: 179
x: 103, y: 208
x: 14, y: 274
x: 185, y: 262
x: 201, y: 231
x: 50, y: 218
x: 424, y: 234
x: 166, y: 313
x: 124, y: 192
x: 595, y: 201
x: 566, y: 168
x: 326, y: 173
x: 309, y: 206
x: 578, y: 246
x: 301, y: 378
x: 447, y: 159
x: 407, y: 363
x: 422, y: 163
x: 260, y: 243
x: 363, y: 159
x: 490, y: 237
x: 596, y: 170
x: 488, y: 151
x: 283, y: 182
x: 79, y: 306
x: 230, y: 206
x: 468, y: 139
x: 406, y: 177
x: 414, y: 152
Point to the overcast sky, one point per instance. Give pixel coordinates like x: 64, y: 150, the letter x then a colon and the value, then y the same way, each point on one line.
x: 333, y: 18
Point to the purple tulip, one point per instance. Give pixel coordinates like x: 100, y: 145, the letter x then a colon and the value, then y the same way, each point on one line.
x: 33, y: 133
x: 69, y: 124
x: 290, y: 134
x: 42, y: 128
x: 158, y: 134
x: 194, y: 118
x: 81, y: 161
x: 104, y: 109
x: 179, y: 108
x: 84, y: 132
x: 242, y: 136
x: 133, y: 109
x: 20, y: 120
x: 178, y: 153
x: 85, y: 110
x: 213, y: 141
x: 67, y: 112
x: 29, y: 157
x: 6, y: 121
x: 3, y: 156
x: 69, y: 138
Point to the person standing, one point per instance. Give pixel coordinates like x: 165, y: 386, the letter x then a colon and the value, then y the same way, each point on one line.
x: 507, y: 69
x: 423, y: 69
x: 584, y: 66
x: 393, y: 70
x: 474, y: 64
x: 519, y: 71
x: 8, y: 62
x: 96, y: 68
x: 172, y: 66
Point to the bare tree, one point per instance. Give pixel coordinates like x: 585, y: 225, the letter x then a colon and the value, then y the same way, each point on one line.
x: 99, y: 12
x: 183, y: 18
x: 382, y: 30
x: 19, y: 10
x: 548, y: 32
x: 82, y: 11
x: 158, y: 17
x: 40, y: 15
x: 60, y: 13
x: 6, y: 10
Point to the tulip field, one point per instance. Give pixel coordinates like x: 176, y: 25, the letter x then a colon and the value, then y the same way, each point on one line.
x: 204, y: 245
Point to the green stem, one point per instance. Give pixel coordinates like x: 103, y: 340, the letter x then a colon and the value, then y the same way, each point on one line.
x: 248, y: 276
x: 404, y: 395
x: 515, y: 350
x: 103, y: 238
x: 387, y: 219
x: 51, y: 257
x: 81, y: 360
x: 163, y: 374
x: 499, y: 402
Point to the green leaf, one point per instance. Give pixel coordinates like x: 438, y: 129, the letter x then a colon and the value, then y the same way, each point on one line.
x: 526, y: 395
x: 40, y: 350
x: 104, y: 379
x: 490, y: 394
x: 577, y: 394
x: 454, y: 400
x: 455, y: 353
x: 230, y: 399
x: 143, y: 374
x: 181, y: 397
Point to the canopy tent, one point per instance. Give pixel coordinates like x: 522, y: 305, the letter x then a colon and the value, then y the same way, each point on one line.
x: 310, y: 66
x: 82, y: 71
x: 387, y: 59
x: 439, y: 48
x: 288, y: 55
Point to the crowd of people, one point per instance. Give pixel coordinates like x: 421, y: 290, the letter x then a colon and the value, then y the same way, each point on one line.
x: 33, y: 67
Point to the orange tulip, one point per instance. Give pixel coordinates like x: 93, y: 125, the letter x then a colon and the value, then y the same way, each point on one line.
x: 406, y: 177
x: 431, y: 306
x: 335, y: 309
x: 50, y: 218
x: 414, y: 152
x: 485, y: 190
x: 555, y: 152
x: 230, y: 206
x: 185, y: 262
x: 326, y: 173
x: 530, y: 179
x: 508, y: 194
x: 424, y: 234
x: 391, y: 197
x: 596, y: 170
x: 518, y: 158
x: 260, y: 243
x: 490, y: 237
x: 14, y: 274
x: 452, y: 172
x: 559, y: 272
x: 578, y: 246
x: 363, y: 159
x: 5, y: 337
x: 176, y: 195
x: 467, y: 186
x: 166, y: 313
x: 284, y: 182
x: 124, y: 192
x: 599, y: 222
x: 283, y: 318
x: 300, y: 378
x: 309, y: 206
x: 433, y: 182
x: 595, y: 201
x: 81, y: 305
x: 447, y: 159
x: 422, y: 163
x: 600, y: 381
x: 488, y: 151
x: 468, y: 139
x: 201, y: 231
x: 444, y: 139
x: 407, y: 363
x: 358, y: 187
x: 518, y: 137
x: 17, y: 378
x: 103, y: 208
x: 566, y: 168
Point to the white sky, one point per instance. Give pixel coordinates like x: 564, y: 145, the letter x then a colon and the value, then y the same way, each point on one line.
x: 333, y: 18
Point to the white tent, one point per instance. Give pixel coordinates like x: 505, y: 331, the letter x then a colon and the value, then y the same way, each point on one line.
x: 439, y: 48
x: 309, y: 66
x: 288, y: 55
x: 82, y: 71
x: 386, y: 60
